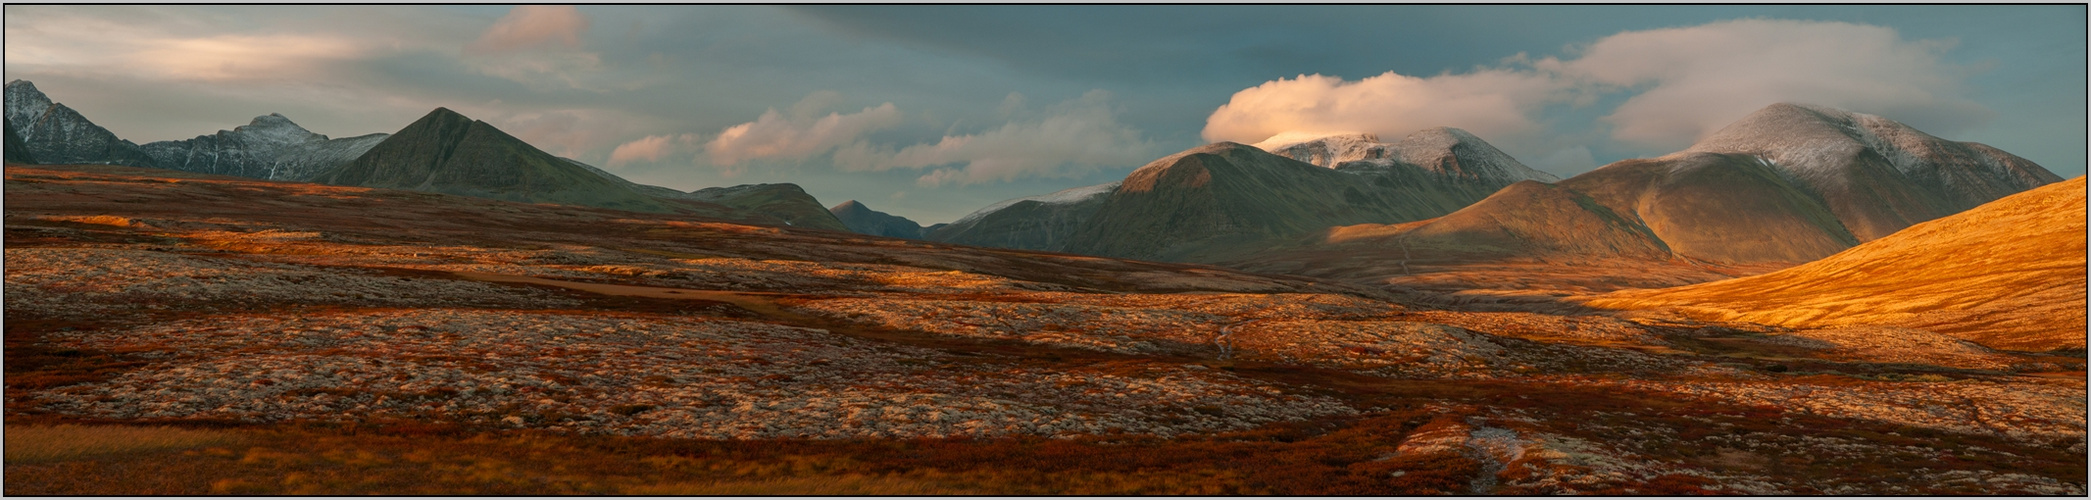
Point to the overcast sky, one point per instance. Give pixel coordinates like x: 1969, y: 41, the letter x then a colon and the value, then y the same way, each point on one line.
x: 930, y: 112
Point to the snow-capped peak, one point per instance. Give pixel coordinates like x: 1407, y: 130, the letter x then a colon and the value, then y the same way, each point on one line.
x: 1288, y: 139
x: 1445, y: 150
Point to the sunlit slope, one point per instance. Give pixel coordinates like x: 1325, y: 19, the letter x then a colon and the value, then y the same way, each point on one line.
x: 2008, y: 274
x: 1527, y: 218
x: 1718, y: 207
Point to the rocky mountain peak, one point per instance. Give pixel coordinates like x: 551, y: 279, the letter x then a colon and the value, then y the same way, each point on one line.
x: 276, y: 128
x: 25, y: 103
x: 1445, y: 151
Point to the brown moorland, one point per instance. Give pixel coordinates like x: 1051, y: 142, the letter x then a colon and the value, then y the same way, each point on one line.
x: 284, y: 338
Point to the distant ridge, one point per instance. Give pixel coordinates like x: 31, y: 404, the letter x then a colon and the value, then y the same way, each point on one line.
x: 269, y: 147
x: 784, y: 201
x: 863, y: 219
x: 1043, y: 222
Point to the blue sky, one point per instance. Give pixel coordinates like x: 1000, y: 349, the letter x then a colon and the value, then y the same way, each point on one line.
x: 931, y: 111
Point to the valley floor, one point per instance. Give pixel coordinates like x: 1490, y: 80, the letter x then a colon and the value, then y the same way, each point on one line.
x: 173, y: 333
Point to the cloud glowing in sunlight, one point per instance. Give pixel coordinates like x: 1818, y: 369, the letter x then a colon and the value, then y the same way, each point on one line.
x: 797, y: 134
x: 531, y: 26
x: 1680, y: 85
x: 650, y: 148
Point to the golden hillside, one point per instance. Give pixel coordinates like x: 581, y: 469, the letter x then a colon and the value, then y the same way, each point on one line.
x: 2009, y: 274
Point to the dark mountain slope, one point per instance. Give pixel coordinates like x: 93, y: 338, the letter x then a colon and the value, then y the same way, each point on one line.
x: 446, y: 152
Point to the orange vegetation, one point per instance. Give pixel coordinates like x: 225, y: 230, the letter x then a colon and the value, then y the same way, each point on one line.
x: 2009, y: 274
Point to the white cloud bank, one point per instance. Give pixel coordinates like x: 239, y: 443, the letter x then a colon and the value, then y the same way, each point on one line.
x: 1490, y: 103
x: 1683, y: 83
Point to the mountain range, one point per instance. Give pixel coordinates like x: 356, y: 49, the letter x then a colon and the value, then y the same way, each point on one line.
x: 1787, y: 184
x: 1220, y: 201
x: 270, y: 147
x: 442, y: 152
x: 1223, y: 199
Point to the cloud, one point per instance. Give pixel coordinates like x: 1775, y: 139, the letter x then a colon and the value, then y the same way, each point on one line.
x: 65, y: 41
x: 244, y: 57
x: 538, y: 46
x: 1679, y: 84
x: 1698, y: 79
x: 1073, y: 138
x: 1489, y: 103
x: 799, y: 134
x: 650, y: 148
x: 532, y: 26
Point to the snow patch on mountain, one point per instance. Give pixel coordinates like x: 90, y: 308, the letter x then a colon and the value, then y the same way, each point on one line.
x: 1838, y: 153
x: 1446, y: 151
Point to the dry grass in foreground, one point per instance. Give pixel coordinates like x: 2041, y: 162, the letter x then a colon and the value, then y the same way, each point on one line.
x: 56, y: 443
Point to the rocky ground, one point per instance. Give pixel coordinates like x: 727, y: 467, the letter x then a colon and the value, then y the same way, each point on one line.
x: 264, y: 306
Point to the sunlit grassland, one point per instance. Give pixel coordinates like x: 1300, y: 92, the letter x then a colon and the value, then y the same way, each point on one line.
x: 43, y: 444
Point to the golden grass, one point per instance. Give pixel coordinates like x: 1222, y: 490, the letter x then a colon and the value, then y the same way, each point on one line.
x: 58, y: 443
x: 100, y: 220
x: 2008, y: 275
